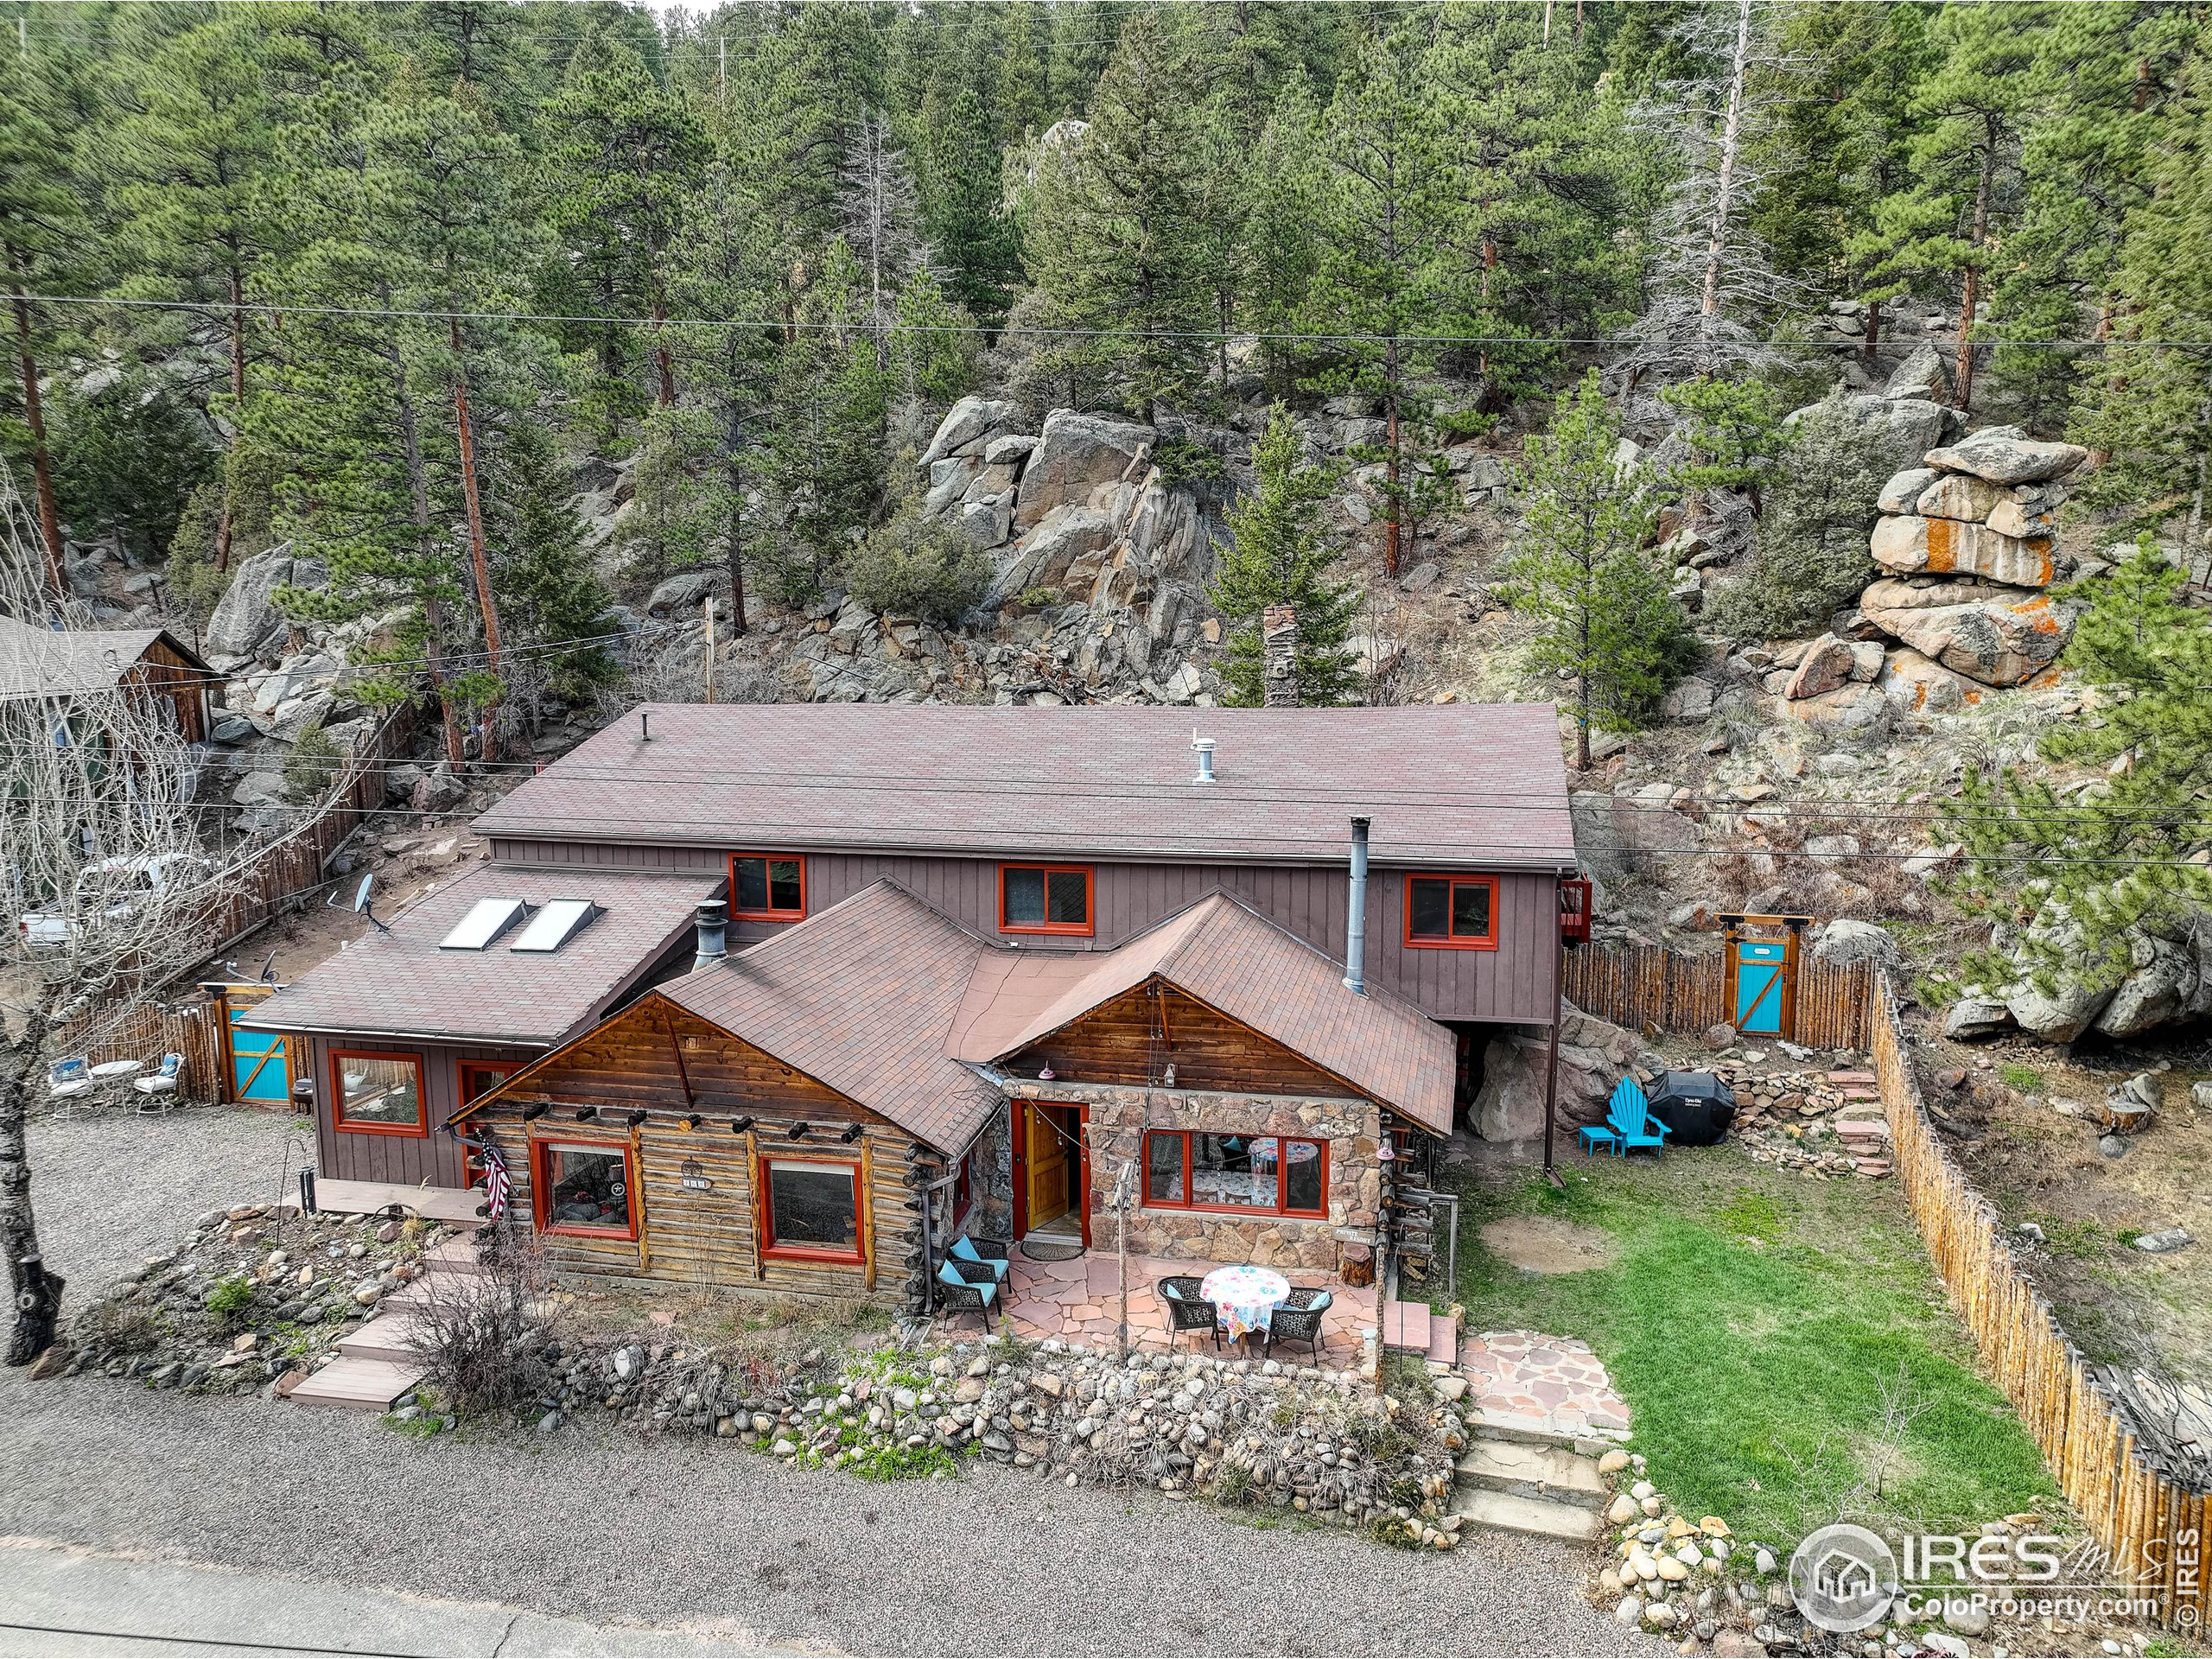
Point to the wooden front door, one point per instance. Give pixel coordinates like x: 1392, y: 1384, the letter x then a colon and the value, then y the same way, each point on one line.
x: 1048, y: 1163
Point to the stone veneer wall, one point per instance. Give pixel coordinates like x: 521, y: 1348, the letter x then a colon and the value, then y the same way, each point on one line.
x: 1119, y: 1116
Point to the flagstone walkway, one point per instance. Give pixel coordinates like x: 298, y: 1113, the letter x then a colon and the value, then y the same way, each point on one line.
x: 1525, y: 1380
x: 1077, y: 1301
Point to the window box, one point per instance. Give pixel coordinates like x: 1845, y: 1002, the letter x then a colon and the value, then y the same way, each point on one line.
x: 811, y: 1211
x: 767, y: 888
x: 1238, y: 1174
x: 1045, y: 899
x: 375, y: 1093
x: 585, y: 1188
x: 1451, y: 913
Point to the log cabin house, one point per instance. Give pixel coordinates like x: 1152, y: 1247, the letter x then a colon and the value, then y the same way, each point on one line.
x: 959, y: 970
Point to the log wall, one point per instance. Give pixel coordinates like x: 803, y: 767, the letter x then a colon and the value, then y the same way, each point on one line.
x: 660, y: 1058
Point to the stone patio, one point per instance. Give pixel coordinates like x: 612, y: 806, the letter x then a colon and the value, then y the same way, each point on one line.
x: 1077, y: 1301
x: 1525, y: 1380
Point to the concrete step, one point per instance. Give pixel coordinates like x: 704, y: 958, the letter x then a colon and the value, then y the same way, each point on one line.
x: 1522, y: 1469
x: 385, y: 1337
x: 1535, y: 1517
x: 356, y: 1384
x: 1487, y: 1423
x: 1406, y: 1327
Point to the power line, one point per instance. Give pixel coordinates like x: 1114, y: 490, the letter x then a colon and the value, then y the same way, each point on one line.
x: 262, y: 308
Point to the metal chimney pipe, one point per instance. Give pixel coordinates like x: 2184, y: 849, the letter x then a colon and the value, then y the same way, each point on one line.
x: 1204, y: 746
x: 1355, y: 919
x: 713, y: 918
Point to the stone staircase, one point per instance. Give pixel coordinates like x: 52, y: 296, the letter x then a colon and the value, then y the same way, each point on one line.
x: 1523, y: 1478
x: 1414, y: 1328
x: 375, y: 1364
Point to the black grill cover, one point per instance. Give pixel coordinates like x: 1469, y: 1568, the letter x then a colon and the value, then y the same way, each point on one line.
x: 1696, y: 1107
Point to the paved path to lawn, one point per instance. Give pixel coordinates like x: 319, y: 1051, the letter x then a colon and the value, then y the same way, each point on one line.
x: 682, y: 1534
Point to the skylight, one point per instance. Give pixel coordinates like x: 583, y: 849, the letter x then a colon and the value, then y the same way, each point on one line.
x: 553, y: 926
x: 487, y: 920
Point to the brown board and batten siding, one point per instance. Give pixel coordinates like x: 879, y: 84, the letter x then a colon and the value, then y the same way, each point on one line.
x: 660, y: 1058
x: 433, y: 1158
x: 1512, y: 984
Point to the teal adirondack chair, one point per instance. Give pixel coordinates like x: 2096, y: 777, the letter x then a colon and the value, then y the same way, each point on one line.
x: 1629, y: 1117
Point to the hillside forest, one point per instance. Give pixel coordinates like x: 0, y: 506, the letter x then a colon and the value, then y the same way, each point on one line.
x: 500, y: 317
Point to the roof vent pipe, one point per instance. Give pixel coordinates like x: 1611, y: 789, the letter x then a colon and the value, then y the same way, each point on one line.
x: 644, y: 725
x: 1203, y: 746
x: 713, y: 931
x: 1355, y: 917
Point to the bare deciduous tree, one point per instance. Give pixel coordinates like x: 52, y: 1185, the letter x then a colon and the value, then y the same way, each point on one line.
x: 102, y: 871
x: 881, y: 210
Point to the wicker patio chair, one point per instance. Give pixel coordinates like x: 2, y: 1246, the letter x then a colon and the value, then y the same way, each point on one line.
x: 967, y: 1287
x: 1298, y: 1319
x: 990, y: 1253
x: 1188, y: 1309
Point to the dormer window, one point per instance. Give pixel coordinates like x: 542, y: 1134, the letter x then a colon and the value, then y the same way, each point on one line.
x: 1044, y: 899
x: 768, y: 887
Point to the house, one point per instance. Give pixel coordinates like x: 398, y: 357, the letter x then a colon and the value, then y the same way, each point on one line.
x: 39, y: 664
x: 982, y: 968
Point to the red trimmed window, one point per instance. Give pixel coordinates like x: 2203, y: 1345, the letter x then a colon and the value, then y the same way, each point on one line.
x: 1044, y: 899
x: 1451, y: 913
x: 1248, y: 1174
x: 588, y: 1188
x: 811, y: 1211
x: 480, y: 1078
x: 768, y: 887
x: 372, y: 1093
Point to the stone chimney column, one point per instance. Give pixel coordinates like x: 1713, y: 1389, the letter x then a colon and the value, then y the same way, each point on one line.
x: 1279, y: 655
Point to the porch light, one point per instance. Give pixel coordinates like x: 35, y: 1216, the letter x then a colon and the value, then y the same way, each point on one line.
x: 1386, y: 1153
x: 1045, y: 1075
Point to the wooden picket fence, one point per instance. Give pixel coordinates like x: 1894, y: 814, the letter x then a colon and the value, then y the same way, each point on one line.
x: 1649, y: 986
x: 277, y: 881
x: 2148, y: 1516
x: 2147, y: 1511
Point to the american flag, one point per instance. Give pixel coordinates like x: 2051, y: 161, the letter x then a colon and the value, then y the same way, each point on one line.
x: 495, y: 1182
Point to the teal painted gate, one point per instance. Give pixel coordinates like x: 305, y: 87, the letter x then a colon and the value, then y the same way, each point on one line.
x: 1759, y: 968
x: 260, y: 1062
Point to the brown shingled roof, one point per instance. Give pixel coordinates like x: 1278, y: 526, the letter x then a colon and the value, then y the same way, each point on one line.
x: 1480, y: 786
x: 400, y: 983
x: 859, y: 997
x: 1237, y: 962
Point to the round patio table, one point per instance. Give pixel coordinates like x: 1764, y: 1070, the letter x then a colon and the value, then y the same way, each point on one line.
x: 1247, y: 1296
x: 108, y: 1071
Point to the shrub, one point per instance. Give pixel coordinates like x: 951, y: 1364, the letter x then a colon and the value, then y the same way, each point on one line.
x: 230, y: 1298
x: 483, y: 1338
x: 311, y: 767
x: 121, y: 1327
x: 906, y: 567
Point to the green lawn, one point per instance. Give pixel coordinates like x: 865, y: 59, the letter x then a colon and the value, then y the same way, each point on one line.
x: 1782, y: 1342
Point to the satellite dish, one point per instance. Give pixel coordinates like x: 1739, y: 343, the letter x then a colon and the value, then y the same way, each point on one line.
x: 361, y: 895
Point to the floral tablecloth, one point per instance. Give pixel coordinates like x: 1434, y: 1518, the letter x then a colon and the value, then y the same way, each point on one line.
x: 1246, y: 1295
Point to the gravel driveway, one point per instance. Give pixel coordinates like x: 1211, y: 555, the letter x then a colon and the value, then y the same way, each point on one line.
x: 594, y: 1526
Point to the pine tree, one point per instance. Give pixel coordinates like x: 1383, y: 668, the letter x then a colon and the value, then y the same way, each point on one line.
x: 1735, y: 434
x: 971, y: 242
x: 40, y: 232
x: 1600, y: 603
x: 1109, y: 237
x: 2074, y: 876
x: 186, y: 171
x: 545, y: 581
x: 1024, y: 103
x: 1812, y: 557
x: 1284, y: 553
x: 1382, y: 219
x: 1280, y: 252
x: 1939, y: 228
x: 619, y: 153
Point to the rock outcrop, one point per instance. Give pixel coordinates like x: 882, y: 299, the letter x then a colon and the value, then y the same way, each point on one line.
x: 246, y: 622
x: 1996, y: 634
x: 1592, y: 1056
